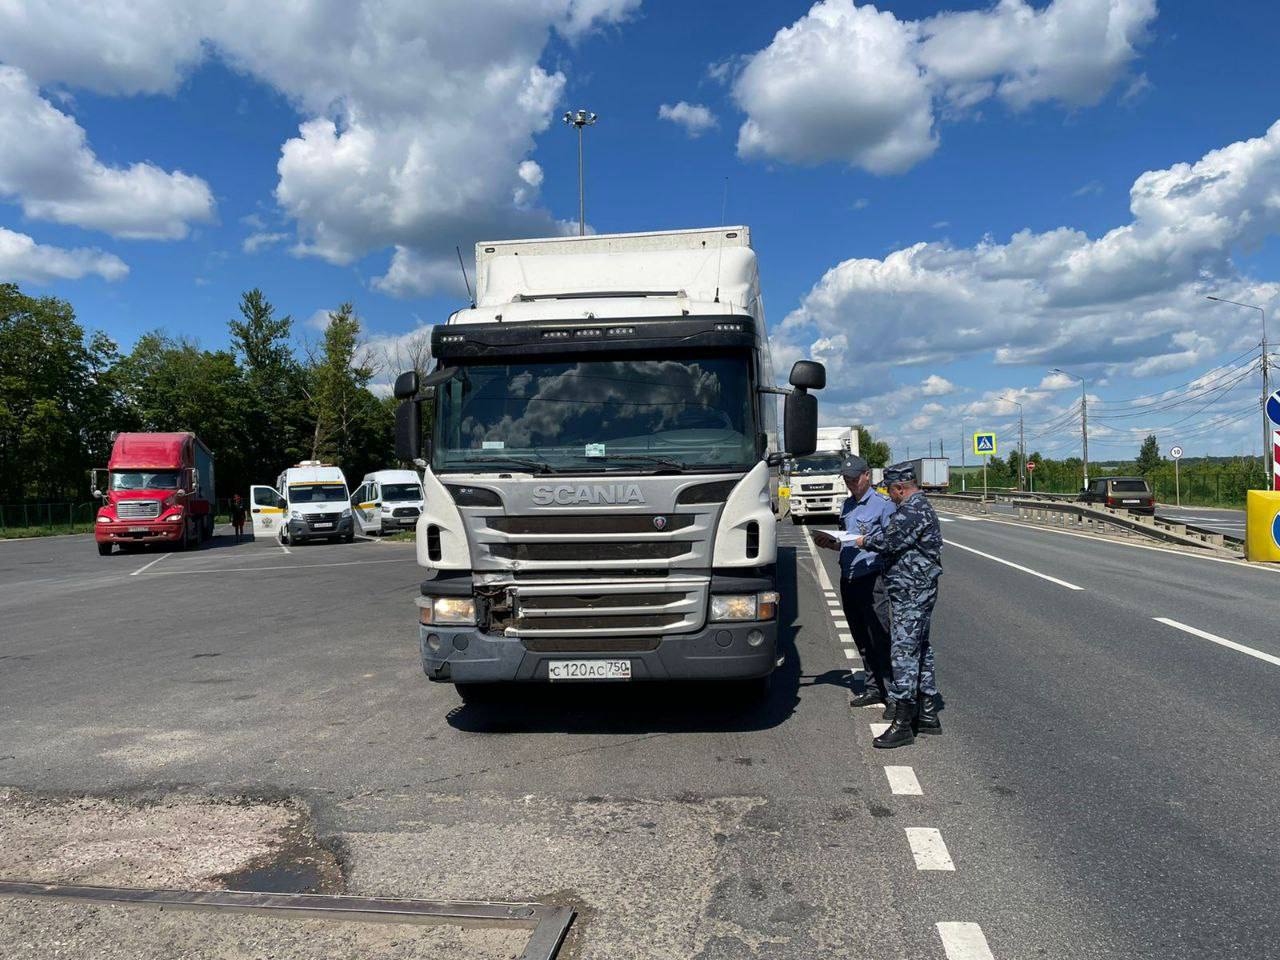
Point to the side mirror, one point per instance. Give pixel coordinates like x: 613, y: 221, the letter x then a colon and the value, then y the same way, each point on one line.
x: 406, y: 385
x: 408, y: 424
x: 800, y: 423
x: 808, y: 375
x: 97, y: 494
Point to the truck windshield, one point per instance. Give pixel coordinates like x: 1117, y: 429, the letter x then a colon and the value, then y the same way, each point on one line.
x: 401, y: 491
x: 316, y: 492
x: 822, y: 463
x: 635, y: 412
x: 144, y: 479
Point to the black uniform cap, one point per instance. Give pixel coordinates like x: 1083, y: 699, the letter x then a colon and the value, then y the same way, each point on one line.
x: 900, y: 473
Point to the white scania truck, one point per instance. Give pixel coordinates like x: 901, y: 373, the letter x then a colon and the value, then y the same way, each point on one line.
x: 817, y: 488
x: 597, y: 476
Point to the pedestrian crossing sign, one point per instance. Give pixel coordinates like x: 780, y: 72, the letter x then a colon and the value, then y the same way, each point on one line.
x: 984, y: 444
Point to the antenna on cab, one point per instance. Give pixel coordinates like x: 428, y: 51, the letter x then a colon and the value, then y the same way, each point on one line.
x: 724, y: 204
x: 470, y: 296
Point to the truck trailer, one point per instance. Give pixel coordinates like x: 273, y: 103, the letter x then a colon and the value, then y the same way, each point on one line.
x: 597, y: 478
x: 156, y: 488
x: 817, y: 488
x: 932, y: 473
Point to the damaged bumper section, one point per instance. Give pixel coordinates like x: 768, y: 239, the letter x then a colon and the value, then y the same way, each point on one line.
x: 467, y: 638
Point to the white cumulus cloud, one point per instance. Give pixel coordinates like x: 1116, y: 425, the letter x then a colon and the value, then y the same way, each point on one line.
x: 47, y: 167
x: 1130, y: 301
x: 695, y: 118
x: 853, y: 84
x: 22, y: 259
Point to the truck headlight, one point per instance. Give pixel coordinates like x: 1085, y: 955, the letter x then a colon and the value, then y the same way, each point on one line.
x: 745, y: 606
x: 104, y: 519
x: 295, y: 515
x: 446, y: 610
x: 346, y: 511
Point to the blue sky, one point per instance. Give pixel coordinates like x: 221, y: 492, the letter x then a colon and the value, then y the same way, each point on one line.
x: 954, y: 126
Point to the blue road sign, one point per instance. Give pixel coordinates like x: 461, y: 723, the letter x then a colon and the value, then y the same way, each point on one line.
x: 984, y: 444
x: 1275, y: 529
x: 1273, y: 407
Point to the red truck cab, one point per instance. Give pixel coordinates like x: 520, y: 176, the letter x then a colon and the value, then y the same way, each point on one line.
x: 157, y: 488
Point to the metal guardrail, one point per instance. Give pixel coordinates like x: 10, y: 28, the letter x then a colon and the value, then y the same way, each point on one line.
x: 1092, y: 518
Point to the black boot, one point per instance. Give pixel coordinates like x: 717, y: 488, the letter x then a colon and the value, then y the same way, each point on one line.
x: 927, y: 716
x: 888, y: 709
x: 869, y: 697
x: 899, y: 733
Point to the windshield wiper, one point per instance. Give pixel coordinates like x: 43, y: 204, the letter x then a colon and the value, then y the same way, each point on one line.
x: 645, y: 457
x: 537, y: 466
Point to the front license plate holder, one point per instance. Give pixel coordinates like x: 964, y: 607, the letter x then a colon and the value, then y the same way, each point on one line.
x: 139, y: 529
x: 558, y: 670
x: 322, y: 526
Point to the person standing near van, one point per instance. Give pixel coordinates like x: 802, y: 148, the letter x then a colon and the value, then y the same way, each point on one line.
x: 238, y: 514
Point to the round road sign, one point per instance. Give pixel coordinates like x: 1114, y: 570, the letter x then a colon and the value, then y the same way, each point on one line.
x: 1031, y: 465
x: 1273, y: 407
x: 1176, y: 453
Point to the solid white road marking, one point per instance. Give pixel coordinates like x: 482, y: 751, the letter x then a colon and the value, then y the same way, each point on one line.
x: 965, y: 516
x: 151, y: 564
x: 283, y: 547
x: 823, y: 580
x: 947, y: 519
x: 963, y: 941
x: 277, y: 569
x: 902, y: 780
x: 928, y: 849
x: 1016, y: 566
x: 878, y: 728
x: 1221, y: 641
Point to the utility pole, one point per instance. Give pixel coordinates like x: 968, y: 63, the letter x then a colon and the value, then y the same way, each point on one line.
x: 580, y: 119
x: 964, y: 480
x: 1022, y: 445
x: 1084, y: 418
x: 1267, y: 462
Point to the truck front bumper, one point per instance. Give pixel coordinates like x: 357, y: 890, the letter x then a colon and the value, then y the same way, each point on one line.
x: 145, y: 531
x: 816, y: 506
x: 718, y: 651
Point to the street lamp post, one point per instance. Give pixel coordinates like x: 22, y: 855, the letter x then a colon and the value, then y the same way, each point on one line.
x: 1022, y: 444
x: 964, y: 481
x: 580, y: 119
x: 1084, y: 418
x: 1266, y: 385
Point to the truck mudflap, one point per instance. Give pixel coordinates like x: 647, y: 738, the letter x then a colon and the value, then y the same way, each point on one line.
x: 719, y: 651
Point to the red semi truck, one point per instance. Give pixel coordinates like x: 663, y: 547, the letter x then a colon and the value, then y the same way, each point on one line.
x: 158, y: 488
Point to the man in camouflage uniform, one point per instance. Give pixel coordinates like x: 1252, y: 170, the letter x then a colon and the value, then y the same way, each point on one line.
x: 911, y: 544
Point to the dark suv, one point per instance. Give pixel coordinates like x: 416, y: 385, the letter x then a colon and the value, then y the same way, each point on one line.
x: 1122, y: 493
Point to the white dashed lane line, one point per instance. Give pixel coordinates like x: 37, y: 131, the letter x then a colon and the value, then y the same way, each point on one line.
x: 1221, y: 641
x: 148, y: 566
x: 1015, y: 566
x: 927, y: 848
x: 963, y: 941
x: 878, y: 728
x: 902, y: 781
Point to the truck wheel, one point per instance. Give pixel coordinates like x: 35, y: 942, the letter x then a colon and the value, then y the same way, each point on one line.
x: 181, y: 543
x: 477, y: 693
x: 284, y: 536
x: 104, y: 549
x: 349, y: 538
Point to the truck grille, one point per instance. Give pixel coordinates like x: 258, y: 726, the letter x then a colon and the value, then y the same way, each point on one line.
x: 591, y: 551
x: 322, y: 517
x: 622, y: 523
x: 816, y: 487
x: 137, y: 509
x: 558, y: 612
x: 405, y: 512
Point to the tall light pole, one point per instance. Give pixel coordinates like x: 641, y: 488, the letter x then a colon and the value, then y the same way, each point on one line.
x: 1269, y: 467
x: 964, y: 481
x: 580, y: 119
x: 1022, y: 444
x: 1084, y: 418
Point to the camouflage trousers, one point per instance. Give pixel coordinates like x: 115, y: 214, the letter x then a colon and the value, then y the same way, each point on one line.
x: 910, y: 653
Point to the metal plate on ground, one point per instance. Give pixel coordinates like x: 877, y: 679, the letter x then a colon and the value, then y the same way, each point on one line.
x: 548, y: 924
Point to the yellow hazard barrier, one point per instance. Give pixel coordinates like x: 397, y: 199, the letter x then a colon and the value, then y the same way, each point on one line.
x: 1262, y: 525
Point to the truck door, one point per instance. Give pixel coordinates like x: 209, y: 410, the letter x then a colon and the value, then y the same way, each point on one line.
x: 266, y: 507
x: 364, y: 507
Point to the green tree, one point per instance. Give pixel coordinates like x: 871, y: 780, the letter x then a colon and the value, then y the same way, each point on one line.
x: 274, y: 407
x: 335, y: 388
x: 1149, y: 458
x: 875, y: 452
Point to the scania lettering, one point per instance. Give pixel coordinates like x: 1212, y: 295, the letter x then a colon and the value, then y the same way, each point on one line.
x: 597, y: 479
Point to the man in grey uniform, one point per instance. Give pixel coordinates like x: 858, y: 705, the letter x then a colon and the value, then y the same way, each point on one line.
x: 911, y: 544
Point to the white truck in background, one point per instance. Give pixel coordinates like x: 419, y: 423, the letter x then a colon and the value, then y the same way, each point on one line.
x: 597, y: 479
x: 932, y: 473
x: 817, y: 488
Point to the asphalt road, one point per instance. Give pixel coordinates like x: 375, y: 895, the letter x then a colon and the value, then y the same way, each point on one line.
x: 1230, y: 522
x: 1105, y: 785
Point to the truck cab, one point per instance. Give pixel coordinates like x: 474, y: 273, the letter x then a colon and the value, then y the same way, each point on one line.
x: 157, y: 488
x: 817, y: 487
x: 597, y: 478
x: 387, y: 501
x: 311, y: 502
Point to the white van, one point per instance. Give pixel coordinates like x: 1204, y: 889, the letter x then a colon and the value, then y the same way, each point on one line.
x: 312, y: 501
x: 387, y: 501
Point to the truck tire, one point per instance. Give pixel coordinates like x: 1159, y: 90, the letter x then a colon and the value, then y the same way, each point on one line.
x: 477, y: 693
x: 104, y: 549
x: 349, y: 538
x: 284, y: 536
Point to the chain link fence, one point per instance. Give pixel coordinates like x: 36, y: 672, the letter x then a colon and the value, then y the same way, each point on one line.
x: 52, y: 519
